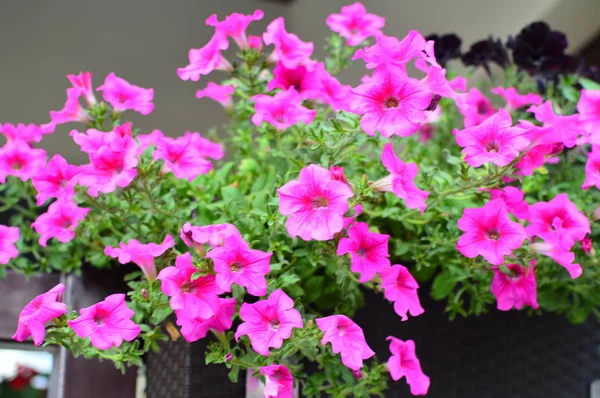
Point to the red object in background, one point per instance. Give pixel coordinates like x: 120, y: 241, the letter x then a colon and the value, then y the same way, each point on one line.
x: 23, y: 378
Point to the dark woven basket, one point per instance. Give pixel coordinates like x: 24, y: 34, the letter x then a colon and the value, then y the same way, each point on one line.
x: 498, y: 355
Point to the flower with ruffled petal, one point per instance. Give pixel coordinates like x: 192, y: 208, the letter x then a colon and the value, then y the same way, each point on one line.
x: 235, y: 25
x: 142, y: 254
x: 475, y: 107
x: 281, y: 110
x: 552, y: 248
x: 106, y: 323
x: 221, y: 94
x: 269, y: 322
x: 206, y: 59
x: 72, y: 111
x: 368, y: 251
x: 514, y: 100
x: 56, y: 180
x: 60, y: 221
x: 25, y: 132
x: 289, y: 49
x: 315, y: 203
x: 123, y: 95
x: 513, y: 198
x: 390, y: 50
x: 592, y: 169
x: 346, y: 338
x: 404, y: 362
x: 193, y: 329
x: 33, y: 317
x: 400, y: 287
x: 214, y: 235
x: 180, y: 156
x: 19, y: 159
x: 355, y: 24
x: 8, y: 237
x: 563, y: 129
x: 514, y: 289
x: 83, y: 83
x: 279, y: 382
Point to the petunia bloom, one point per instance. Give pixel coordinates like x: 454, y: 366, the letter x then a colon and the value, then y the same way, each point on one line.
x: 269, y: 322
x: 552, y: 248
x: 72, y: 111
x: 8, y: 237
x: 401, y: 180
x: 106, y: 323
x: 391, y: 102
x: 489, y: 232
x: 235, y: 25
x: 400, y: 287
x: 390, y: 50
x: 493, y: 140
x: 475, y: 107
x: 563, y: 129
x: 516, y: 289
x: 404, y: 363
x: 206, y: 59
x: 235, y: 262
x: 346, y: 338
x: 281, y: 110
x: 123, y: 95
x: 214, y: 235
x: 592, y: 169
x: 56, y: 180
x: 141, y: 254
x: 83, y: 83
x: 19, y: 159
x: 514, y: 100
x: 279, y: 382
x: 24, y: 132
x: 196, y: 298
x: 303, y: 78
x: 589, y: 113
x: 513, y: 198
x: 221, y: 94
x: 315, y: 203
x: 180, y: 156
x: 60, y: 221
x: 355, y: 24
x: 33, y: 316
x: 196, y: 328
x: 289, y: 49
x: 368, y: 251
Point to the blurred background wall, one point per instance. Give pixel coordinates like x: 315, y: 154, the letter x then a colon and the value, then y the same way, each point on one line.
x: 145, y: 41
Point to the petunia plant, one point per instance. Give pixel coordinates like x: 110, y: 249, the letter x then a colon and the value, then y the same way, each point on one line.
x: 264, y: 235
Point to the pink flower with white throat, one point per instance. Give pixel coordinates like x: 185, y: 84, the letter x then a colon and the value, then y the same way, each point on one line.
x: 123, y: 95
x: 401, y: 180
x: 289, y: 49
x: 196, y: 298
x: 142, y: 254
x: 315, y: 204
x: 221, y: 94
x: 8, y: 237
x: 106, y: 323
x: 514, y: 100
x: 72, y: 111
x: 404, y: 363
x: 83, y: 83
x: 515, y: 289
x: 60, y: 221
x: 235, y: 25
x: 269, y: 322
x: 493, y: 140
x: 235, y: 262
x: 279, y: 382
x: 400, y: 287
x: 206, y: 59
x: 281, y: 110
x: 56, y: 180
x: 196, y: 328
x: 368, y: 251
x: 346, y: 338
x: 489, y: 232
x: 42, y: 309
x: 19, y: 159
x: 391, y: 102
x: 355, y: 24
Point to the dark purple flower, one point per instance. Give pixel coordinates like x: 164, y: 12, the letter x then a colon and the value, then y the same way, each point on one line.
x: 446, y: 47
x: 484, y: 52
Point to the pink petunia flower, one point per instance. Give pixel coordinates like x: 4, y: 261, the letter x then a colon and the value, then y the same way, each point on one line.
x: 513, y: 198
x: 475, y: 107
x: 279, y: 382
x: 235, y: 25
x: 19, y: 159
x: 400, y: 287
x: 390, y: 50
x: 592, y: 169
x: 60, y: 221
x: 355, y: 24
x: 589, y: 114
x: 72, y: 111
x: 281, y: 110
x: 303, y: 78
x: 255, y: 42
x: 552, y: 248
x: 516, y: 289
x: 368, y: 251
x: 587, y: 245
x: 195, y: 298
x: 558, y: 220
x: 206, y: 59
x: 514, y: 100
x: 8, y: 237
x: 221, y: 94
x: 489, y: 232
x: 180, y: 156
x: 24, y: 132
x: 106, y: 323
x: 142, y: 254
x: 391, y: 102
x: 214, y: 235
x: 235, y: 262
x: 404, y: 362
x: 269, y: 322
x: 33, y: 316
x: 401, y: 180
x: 83, y: 83
x: 289, y: 49
x: 56, y: 180
x: 563, y: 129
x: 315, y: 203
x: 346, y: 338
x: 193, y: 329
x: 123, y: 95
x: 205, y: 147
x: 493, y: 140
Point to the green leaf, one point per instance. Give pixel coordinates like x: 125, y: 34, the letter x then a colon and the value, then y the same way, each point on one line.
x: 589, y: 84
x: 234, y: 373
x: 443, y: 285
x: 230, y: 193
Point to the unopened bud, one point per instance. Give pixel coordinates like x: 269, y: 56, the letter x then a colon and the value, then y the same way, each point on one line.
x: 228, y: 357
x: 145, y: 294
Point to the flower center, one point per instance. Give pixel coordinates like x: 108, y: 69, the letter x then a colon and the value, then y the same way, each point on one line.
x: 274, y: 324
x: 361, y: 252
x: 17, y: 165
x: 188, y: 287
x: 492, y: 147
x: 493, y: 234
x: 236, y: 266
x: 391, y: 102
x: 319, y: 202
x: 515, y: 274
x: 99, y: 318
x: 66, y: 224
x: 482, y: 108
